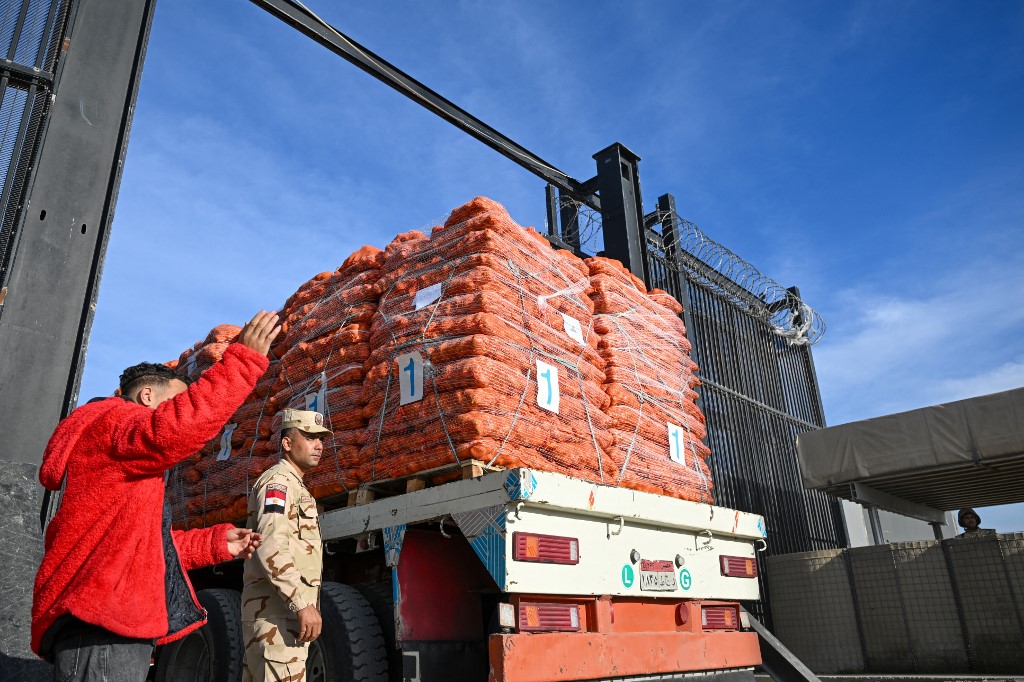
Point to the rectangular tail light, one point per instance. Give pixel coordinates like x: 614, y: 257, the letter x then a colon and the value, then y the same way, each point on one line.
x: 546, y: 549
x: 739, y: 567
x: 720, y: 617
x: 535, y: 617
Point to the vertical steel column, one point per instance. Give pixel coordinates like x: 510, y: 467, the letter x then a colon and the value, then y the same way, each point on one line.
x: 570, y: 222
x: 551, y: 203
x: 622, y: 215
x: 55, y: 269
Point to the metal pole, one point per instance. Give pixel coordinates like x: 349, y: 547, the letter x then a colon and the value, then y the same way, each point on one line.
x: 570, y: 221
x: 551, y: 204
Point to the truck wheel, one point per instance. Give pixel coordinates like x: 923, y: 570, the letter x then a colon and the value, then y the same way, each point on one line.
x: 351, y: 646
x: 214, y: 652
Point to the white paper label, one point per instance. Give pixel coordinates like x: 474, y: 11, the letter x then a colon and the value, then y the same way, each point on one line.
x: 547, y: 386
x: 410, y: 378
x: 225, y: 442
x: 317, y: 402
x: 676, y: 443
x: 572, y: 328
x: 425, y: 297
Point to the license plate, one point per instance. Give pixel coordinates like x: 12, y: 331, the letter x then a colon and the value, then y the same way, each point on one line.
x: 657, y: 576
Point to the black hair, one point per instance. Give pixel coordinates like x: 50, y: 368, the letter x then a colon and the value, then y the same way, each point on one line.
x: 148, y: 374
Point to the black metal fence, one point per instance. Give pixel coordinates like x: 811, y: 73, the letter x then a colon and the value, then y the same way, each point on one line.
x: 751, y: 338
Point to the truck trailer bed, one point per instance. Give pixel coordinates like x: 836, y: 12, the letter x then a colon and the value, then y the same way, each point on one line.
x: 616, y: 541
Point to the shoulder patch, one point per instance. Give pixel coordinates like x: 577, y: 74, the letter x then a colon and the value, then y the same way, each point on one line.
x: 275, y: 499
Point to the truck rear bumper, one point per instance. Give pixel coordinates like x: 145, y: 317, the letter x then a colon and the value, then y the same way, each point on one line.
x: 563, y: 657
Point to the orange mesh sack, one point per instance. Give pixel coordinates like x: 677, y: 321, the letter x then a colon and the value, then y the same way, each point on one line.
x: 653, y: 417
x: 316, y: 363
x: 471, y: 355
x: 327, y: 332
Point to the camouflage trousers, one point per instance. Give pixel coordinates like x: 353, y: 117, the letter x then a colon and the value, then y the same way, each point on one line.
x: 272, y: 651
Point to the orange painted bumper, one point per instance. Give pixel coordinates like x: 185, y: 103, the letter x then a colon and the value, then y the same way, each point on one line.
x: 557, y: 657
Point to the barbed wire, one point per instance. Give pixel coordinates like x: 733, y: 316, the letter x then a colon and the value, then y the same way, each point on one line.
x: 712, y: 265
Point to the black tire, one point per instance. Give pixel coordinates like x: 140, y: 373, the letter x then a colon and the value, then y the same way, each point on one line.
x: 214, y: 652
x: 351, y: 646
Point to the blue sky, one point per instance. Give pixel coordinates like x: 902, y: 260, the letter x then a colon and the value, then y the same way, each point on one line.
x: 868, y: 152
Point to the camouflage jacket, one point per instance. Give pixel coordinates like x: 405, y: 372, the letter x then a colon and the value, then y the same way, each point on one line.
x: 283, y: 576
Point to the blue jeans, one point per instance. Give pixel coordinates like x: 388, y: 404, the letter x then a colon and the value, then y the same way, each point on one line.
x: 89, y: 653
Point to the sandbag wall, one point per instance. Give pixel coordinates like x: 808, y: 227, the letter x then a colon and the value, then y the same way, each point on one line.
x: 945, y: 608
x: 477, y: 341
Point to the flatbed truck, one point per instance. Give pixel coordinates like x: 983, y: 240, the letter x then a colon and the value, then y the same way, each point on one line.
x: 514, y: 575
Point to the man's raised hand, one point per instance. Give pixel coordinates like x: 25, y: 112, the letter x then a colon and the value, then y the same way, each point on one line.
x: 260, y: 332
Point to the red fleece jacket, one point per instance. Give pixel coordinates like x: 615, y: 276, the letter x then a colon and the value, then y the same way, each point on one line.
x: 104, y: 555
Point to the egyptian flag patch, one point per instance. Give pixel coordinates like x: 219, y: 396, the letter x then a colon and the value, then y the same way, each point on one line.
x: 277, y: 495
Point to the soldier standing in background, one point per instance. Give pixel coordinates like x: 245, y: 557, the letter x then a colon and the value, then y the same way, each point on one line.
x: 280, y: 596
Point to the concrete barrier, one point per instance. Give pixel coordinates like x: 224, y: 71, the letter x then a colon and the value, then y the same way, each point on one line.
x: 813, y: 610
x: 955, y: 606
x: 991, y: 612
x: 930, y: 609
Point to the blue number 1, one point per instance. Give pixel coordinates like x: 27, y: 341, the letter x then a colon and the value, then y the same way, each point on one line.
x: 675, y: 437
x: 410, y: 368
x: 547, y: 378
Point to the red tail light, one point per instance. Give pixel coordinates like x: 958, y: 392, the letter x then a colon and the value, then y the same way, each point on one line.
x: 547, y: 549
x: 720, y: 617
x: 548, y: 617
x: 739, y: 567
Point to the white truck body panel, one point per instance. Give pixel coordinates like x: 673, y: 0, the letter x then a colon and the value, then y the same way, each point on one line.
x: 609, y: 522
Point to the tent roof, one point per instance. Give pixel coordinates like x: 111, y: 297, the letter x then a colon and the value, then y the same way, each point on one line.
x: 961, y: 454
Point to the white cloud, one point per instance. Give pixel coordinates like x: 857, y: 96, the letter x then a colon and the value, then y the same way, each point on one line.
x: 1009, y: 375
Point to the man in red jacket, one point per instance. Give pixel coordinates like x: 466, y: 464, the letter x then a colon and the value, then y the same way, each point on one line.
x: 112, y: 581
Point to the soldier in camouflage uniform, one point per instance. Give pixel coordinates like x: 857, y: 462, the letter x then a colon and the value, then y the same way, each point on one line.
x: 280, y: 596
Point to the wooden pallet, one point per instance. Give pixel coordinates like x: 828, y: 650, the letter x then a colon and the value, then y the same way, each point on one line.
x: 388, y: 487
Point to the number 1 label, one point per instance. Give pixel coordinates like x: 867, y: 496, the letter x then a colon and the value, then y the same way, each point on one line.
x: 410, y: 378
x: 317, y: 402
x: 675, y: 443
x: 547, y: 386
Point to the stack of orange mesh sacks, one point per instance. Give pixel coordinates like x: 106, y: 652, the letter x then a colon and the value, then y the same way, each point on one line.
x: 316, y: 363
x: 472, y: 360
x: 477, y: 342
x: 326, y: 334
x: 654, y: 420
